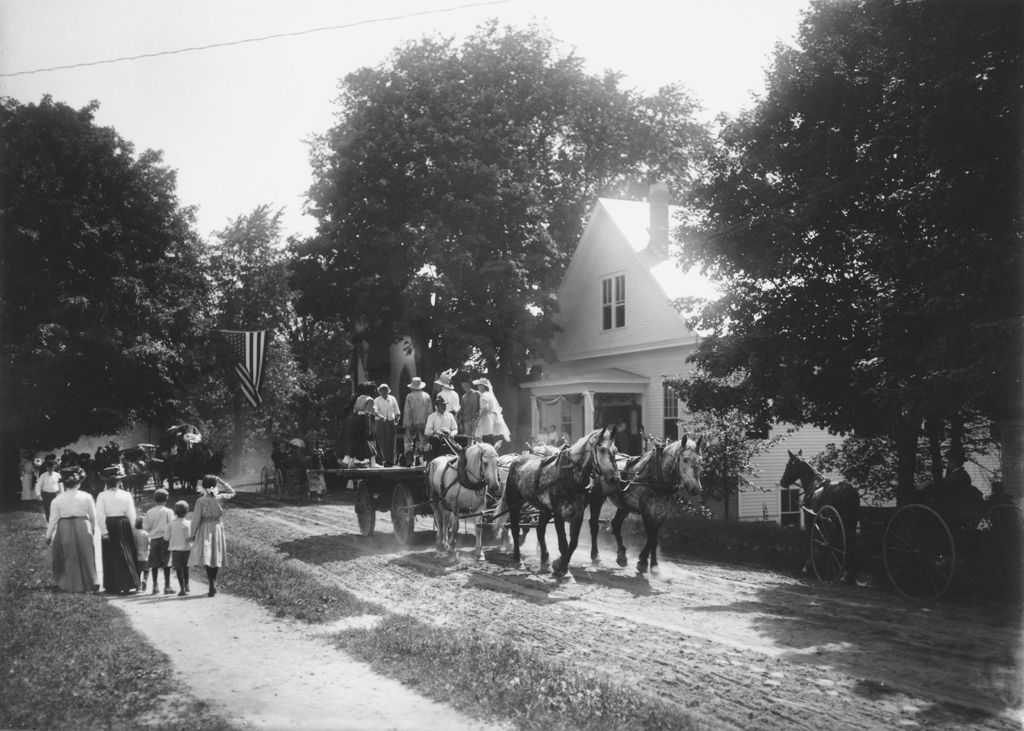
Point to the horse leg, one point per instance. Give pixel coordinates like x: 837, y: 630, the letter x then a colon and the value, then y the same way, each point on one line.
x: 453, y: 533
x: 478, y: 528
x: 561, y: 564
x: 645, y: 552
x: 596, y: 501
x: 542, y: 528
x: 617, y: 521
x: 652, y: 539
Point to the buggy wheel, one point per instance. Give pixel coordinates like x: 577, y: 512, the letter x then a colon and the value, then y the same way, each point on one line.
x: 828, y: 546
x: 919, y: 553
x: 403, y: 515
x: 364, y: 509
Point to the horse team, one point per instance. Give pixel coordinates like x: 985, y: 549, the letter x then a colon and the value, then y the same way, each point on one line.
x: 559, y: 485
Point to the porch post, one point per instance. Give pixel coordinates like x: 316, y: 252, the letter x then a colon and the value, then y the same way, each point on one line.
x: 588, y: 412
x: 534, y: 416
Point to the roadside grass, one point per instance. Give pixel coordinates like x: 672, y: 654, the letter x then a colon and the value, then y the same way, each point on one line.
x: 495, y: 679
x: 286, y: 589
x: 71, y: 660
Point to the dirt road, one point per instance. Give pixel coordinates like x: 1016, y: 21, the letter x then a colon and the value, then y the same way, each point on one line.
x: 738, y: 647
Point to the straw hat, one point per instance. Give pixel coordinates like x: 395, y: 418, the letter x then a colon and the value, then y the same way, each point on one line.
x: 482, y: 382
x: 383, y: 387
x: 417, y: 384
x: 445, y: 379
x: 113, y: 472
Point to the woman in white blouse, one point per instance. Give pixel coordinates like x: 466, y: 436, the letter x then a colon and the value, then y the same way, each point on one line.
x: 70, y: 534
x: 115, y: 516
x: 490, y: 425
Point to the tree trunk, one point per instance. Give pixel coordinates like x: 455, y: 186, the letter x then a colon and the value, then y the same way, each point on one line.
x: 905, y: 437
x: 956, y: 455
x: 239, y: 437
x: 10, y: 470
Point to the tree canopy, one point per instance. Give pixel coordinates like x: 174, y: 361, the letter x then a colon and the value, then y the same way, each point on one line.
x: 102, y: 300
x: 865, y: 219
x: 452, y: 191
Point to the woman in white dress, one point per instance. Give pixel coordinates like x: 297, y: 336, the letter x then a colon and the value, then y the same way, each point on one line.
x: 70, y: 535
x: 490, y: 425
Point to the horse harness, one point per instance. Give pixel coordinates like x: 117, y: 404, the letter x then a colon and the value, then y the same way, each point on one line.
x: 563, y: 463
x: 658, y: 482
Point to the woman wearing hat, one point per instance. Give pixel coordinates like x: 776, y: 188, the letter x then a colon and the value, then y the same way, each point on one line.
x: 115, y: 516
x: 70, y: 535
x: 387, y: 413
x: 490, y: 425
x: 447, y: 391
x: 417, y: 409
x: 356, y: 431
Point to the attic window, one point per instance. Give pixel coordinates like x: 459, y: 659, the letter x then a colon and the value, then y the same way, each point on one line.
x: 613, y: 302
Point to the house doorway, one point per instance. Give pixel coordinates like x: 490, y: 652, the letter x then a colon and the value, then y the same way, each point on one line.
x: 627, y: 419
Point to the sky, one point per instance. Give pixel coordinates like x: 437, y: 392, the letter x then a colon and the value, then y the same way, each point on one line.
x: 234, y: 120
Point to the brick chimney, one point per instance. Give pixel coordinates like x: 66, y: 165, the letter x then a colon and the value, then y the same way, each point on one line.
x: 657, y: 199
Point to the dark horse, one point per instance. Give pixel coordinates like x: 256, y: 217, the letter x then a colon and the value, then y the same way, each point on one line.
x: 817, y: 493
x: 648, y: 486
x: 183, y: 459
x: 559, y: 487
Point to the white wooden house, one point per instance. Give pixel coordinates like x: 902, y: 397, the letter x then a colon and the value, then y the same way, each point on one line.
x: 621, y: 339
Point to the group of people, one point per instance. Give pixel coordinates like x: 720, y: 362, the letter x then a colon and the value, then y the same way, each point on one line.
x: 430, y: 423
x: 133, y: 548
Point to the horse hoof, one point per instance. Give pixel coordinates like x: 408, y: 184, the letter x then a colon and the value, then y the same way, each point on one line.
x: 641, y: 567
x: 654, y: 569
x: 557, y: 569
x: 621, y: 561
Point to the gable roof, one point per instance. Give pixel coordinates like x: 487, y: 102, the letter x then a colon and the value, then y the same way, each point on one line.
x: 632, y: 219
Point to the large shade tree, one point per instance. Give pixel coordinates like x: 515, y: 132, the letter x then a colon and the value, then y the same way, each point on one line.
x: 102, y: 297
x: 453, y: 187
x: 865, y: 217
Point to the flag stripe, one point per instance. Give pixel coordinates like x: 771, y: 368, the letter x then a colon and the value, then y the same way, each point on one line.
x: 249, y: 348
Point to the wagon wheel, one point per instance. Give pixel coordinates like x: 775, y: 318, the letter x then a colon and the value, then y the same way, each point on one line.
x: 278, y: 483
x: 828, y: 546
x: 919, y: 553
x: 364, y: 509
x: 403, y: 515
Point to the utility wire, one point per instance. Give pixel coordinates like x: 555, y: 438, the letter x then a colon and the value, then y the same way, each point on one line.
x: 259, y: 39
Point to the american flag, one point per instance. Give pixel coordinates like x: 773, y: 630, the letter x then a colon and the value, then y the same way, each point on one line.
x: 248, y: 347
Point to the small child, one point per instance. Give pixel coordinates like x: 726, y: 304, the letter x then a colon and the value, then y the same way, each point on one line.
x: 142, y: 553
x: 179, y: 545
x: 157, y: 523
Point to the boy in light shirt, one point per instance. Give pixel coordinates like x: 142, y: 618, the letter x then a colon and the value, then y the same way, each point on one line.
x: 157, y: 522
x: 179, y: 545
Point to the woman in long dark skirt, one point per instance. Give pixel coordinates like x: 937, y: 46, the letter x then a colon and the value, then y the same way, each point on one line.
x: 115, y: 515
x: 356, y: 431
x: 70, y: 534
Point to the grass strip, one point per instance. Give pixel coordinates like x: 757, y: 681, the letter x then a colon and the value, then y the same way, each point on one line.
x: 72, y: 660
x: 285, y: 588
x: 494, y: 678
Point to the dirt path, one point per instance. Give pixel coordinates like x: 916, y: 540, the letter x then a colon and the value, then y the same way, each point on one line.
x: 739, y: 648
x: 264, y: 673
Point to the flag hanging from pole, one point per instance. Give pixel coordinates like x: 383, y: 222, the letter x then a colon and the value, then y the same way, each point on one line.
x: 248, y: 347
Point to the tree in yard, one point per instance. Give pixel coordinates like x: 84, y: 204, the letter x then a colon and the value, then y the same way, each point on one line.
x: 249, y: 279
x: 865, y: 219
x: 452, y: 191
x: 102, y: 298
x: 730, y: 446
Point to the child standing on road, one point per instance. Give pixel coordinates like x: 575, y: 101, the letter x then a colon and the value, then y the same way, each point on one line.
x: 142, y: 553
x: 179, y: 545
x: 157, y: 522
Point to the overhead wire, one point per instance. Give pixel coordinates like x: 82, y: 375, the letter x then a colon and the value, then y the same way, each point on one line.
x: 258, y: 39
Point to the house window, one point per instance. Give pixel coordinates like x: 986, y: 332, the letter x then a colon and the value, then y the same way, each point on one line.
x: 790, y: 512
x: 613, y: 302
x: 670, y: 409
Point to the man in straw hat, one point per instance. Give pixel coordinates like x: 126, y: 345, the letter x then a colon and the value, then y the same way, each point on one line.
x: 446, y: 391
x: 386, y: 416
x: 417, y: 409
x: 490, y: 425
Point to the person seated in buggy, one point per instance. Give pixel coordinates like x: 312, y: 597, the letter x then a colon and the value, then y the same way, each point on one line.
x: 441, y: 429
